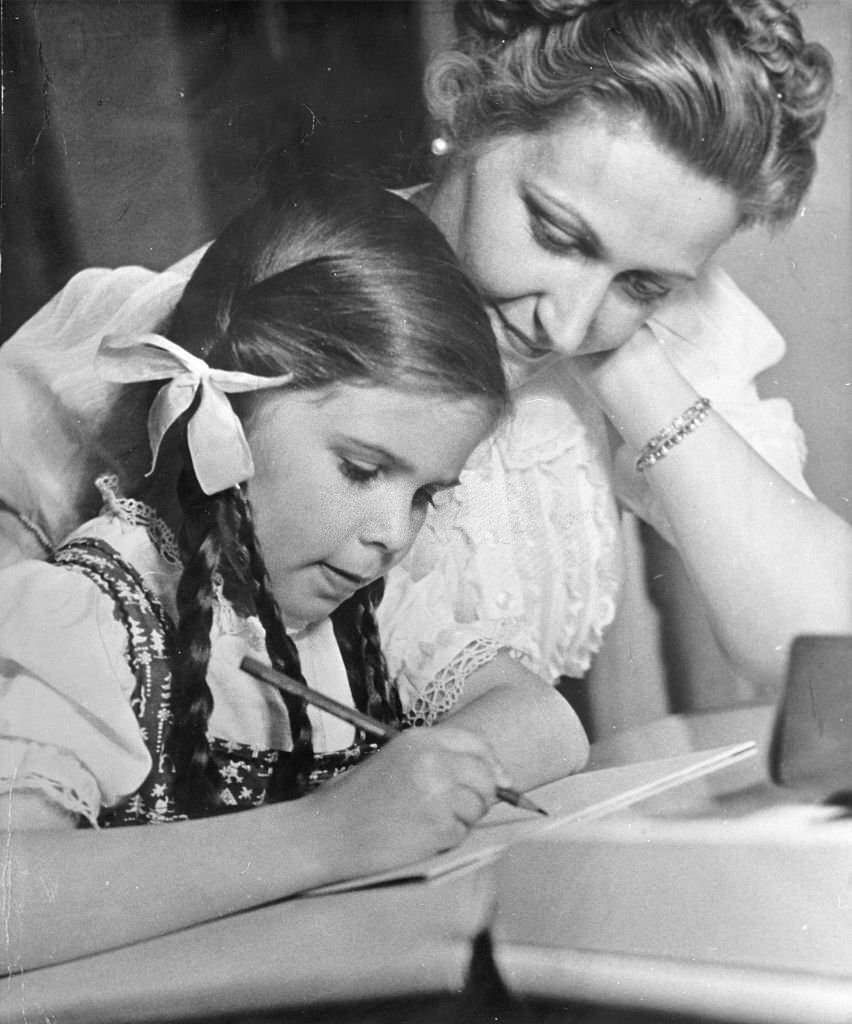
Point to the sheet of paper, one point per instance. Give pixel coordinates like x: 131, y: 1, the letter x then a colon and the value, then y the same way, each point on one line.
x: 575, y: 798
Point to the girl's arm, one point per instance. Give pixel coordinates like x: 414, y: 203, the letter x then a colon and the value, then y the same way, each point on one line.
x: 768, y: 562
x: 528, y: 721
x: 70, y: 892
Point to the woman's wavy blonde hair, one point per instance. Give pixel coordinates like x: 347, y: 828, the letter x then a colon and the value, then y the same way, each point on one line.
x: 730, y: 87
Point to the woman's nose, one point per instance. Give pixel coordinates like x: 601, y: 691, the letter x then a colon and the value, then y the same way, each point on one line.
x: 568, y: 314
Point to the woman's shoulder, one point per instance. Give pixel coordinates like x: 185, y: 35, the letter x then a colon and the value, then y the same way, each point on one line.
x: 94, y: 301
x: 551, y: 421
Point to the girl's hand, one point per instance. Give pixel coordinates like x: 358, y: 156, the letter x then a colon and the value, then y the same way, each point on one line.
x: 417, y: 796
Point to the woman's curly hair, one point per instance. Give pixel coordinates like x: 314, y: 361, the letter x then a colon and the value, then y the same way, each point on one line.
x: 730, y: 87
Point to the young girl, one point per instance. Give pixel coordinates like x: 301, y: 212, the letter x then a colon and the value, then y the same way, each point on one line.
x: 310, y: 402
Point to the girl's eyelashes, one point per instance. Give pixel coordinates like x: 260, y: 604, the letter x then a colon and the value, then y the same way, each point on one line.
x: 360, y: 473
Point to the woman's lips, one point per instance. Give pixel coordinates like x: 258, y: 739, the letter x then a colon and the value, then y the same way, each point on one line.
x: 518, y: 341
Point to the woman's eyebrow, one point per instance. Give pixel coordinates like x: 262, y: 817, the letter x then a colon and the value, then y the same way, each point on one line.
x: 551, y: 206
x: 591, y: 240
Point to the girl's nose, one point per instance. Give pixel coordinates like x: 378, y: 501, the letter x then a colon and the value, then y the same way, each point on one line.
x: 568, y: 316
x: 390, y: 524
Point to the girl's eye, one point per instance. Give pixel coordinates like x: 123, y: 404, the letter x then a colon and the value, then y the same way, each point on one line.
x: 643, y: 290
x: 357, y: 472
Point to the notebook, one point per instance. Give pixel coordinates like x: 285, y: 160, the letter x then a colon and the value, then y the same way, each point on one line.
x: 574, y: 799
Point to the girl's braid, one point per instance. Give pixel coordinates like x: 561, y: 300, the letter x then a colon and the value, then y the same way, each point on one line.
x: 357, y: 632
x: 290, y: 776
x: 196, y: 775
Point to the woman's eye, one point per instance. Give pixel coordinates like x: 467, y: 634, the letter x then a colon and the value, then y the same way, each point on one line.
x: 358, y: 472
x: 644, y: 290
x: 552, y: 238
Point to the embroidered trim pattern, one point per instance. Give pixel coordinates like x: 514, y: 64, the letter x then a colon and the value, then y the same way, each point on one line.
x: 442, y: 692
x: 245, y: 770
x: 137, y: 513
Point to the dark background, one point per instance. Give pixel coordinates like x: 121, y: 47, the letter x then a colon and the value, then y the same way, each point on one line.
x: 134, y: 129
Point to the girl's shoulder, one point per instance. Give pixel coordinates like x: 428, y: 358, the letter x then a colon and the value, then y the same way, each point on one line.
x: 137, y: 534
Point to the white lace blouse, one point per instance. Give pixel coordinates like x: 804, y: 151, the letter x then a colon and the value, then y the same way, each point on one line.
x: 524, y: 556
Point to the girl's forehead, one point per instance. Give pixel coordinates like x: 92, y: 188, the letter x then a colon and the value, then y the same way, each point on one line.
x: 406, y: 424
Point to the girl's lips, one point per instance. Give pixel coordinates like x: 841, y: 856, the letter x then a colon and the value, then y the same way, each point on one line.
x: 349, y: 577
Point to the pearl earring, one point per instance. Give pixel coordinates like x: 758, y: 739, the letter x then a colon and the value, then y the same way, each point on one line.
x: 440, y: 146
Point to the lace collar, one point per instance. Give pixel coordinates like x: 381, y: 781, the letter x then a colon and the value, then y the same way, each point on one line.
x: 137, y: 513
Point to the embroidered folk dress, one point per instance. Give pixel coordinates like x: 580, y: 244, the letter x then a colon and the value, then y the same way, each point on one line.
x: 84, y: 679
x: 525, y: 556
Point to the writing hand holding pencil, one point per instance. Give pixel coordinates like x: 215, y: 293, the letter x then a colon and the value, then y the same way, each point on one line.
x: 353, y: 716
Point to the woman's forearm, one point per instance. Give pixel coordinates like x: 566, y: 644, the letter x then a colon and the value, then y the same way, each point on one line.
x: 769, y: 562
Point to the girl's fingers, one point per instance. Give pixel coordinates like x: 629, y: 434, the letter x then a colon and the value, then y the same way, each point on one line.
x: 470, y: 804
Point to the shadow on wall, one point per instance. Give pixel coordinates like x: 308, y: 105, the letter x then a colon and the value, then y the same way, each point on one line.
x: 135, y: 131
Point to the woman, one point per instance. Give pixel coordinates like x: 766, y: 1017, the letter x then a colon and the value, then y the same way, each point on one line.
x: 594, y: 155
x: 592, y: 158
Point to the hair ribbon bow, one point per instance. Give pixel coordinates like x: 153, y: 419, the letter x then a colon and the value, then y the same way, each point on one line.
x: 217, y: 443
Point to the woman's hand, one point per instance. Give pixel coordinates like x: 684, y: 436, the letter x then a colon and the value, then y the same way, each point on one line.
x: 417, y: 796
x: 635, y: 375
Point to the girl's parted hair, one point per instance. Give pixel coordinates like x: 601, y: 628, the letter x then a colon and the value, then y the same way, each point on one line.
x: 730, y: 87
x: 335, y: 282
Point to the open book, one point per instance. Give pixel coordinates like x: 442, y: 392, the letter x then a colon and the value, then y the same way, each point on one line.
x: 576, y: 798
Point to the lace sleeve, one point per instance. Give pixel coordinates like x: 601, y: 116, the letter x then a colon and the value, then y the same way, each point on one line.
x: 57, y: 776
x: 720, y: 341
x: 524, y: 556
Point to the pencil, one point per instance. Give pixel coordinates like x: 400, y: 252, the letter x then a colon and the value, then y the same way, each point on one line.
x: 353, y: 716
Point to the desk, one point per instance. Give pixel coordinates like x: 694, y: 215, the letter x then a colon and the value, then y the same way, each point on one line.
x: 407, y: 954
x: 677, y: 987
x: 404, y: 941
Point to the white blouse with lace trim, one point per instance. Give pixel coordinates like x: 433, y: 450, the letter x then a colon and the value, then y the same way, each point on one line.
x: 67, y: 730
x: 524, y: 556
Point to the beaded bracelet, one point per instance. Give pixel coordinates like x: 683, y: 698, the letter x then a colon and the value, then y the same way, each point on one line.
x: 679, y: 428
